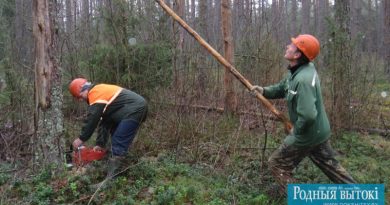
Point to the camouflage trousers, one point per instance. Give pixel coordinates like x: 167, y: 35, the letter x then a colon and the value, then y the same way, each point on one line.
x: 287, y: 157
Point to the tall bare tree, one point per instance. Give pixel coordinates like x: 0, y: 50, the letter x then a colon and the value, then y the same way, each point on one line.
x: 193, y: 11
x: 230, y: 96
x: 21, y: 57
x: 379, y: 25
x: 293, y: 24
x: 341, y: 66
x: 322, y: 12
x: 48, y: 93
x: 69, y: 16
x: 22, y: 33
x: 305, y: 27
x: 202, y: 77
x: 178, y: 33
x: 275, y: 19
x: 386, y: 33
x: 85, y: 24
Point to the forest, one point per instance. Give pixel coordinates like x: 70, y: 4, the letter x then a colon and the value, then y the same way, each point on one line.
x: 206, y: 138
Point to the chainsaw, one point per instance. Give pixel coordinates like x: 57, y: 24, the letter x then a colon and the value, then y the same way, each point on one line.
x: 83, y: 156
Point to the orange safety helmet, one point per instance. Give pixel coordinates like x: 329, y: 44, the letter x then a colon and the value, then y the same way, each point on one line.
x: 75, y: 86
x: 308, y: 44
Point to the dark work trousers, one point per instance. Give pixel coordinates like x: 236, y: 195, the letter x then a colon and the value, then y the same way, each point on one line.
x: 287, y: 157
x: 123, y: 136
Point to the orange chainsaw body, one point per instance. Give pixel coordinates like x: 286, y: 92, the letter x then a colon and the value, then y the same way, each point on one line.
x: 85, y: 155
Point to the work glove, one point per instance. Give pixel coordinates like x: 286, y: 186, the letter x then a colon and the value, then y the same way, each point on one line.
x: 291, y: 131
x: 258, y: 88
x: 290, y: 139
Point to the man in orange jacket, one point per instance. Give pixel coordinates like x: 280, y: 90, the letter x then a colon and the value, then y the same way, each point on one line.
x: 116, y: 110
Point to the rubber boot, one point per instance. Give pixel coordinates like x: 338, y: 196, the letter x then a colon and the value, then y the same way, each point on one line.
x: 114, y: 165
x: 113, y: 169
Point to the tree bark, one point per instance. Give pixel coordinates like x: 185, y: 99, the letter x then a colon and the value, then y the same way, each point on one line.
x: 202, y: 77
x: 178, y: 36
x: 322, y: 11
x: 230, y: 96
x: 386, y: 33
x: 85, y: 24
x: 305, y: 28
x: 275, y: 20
x: 48, y: 120
x: 69, y: 17
x: 293, y: 24
x: 380, y: 26
x: 341, y: 93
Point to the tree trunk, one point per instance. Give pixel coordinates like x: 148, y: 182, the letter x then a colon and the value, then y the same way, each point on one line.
x: 380, y: 26
x: 230, y: 96
x: 341, y: 93
x: 306, y: 16
x: 85, y: 24
x: 193, y: 11
x: 69, y: 17
x: 178, y: 36
x: 322, y: 12
x: 275, y: 20
x: 21, y: 58
x: 202, y: 65
x: 293, y: 24
x: 23, y: 33
x: 216, y: 24
x: 386, y: 33
x: 48, y: 120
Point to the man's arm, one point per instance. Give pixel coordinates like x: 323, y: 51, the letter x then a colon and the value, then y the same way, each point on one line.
x: 95, y: 112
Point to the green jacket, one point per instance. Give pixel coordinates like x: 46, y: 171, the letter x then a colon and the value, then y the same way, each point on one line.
x: 302, y: 90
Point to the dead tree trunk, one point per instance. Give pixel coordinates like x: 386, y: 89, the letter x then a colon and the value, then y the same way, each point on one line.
x: 230, y: 96
x: 48, y: 117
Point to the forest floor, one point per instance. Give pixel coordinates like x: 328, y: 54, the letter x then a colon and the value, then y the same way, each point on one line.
x: 217, y: 161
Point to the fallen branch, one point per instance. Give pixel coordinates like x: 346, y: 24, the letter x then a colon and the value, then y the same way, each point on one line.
x: 110, y: 178
x: 221, y: 110
x: 82, y: 199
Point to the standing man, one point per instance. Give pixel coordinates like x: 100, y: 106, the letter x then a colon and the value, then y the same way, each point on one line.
x: 118, y: 112
x: 310, y: 136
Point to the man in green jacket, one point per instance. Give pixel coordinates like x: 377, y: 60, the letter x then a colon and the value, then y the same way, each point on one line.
x: 310, y: 135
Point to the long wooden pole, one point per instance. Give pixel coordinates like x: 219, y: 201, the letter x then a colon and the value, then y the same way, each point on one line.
x: 227, y: 65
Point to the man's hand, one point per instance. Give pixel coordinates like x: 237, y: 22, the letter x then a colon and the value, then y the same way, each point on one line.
x: 289, y: 131
x: 258, y: 88
x: 77, y: 143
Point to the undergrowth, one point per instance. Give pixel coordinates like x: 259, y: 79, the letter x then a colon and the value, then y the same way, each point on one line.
x: 192, y: 157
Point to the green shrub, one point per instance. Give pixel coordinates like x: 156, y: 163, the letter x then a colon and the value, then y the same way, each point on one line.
x: 4, y: 177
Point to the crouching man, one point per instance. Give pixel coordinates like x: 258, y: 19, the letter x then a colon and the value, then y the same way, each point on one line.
x: 117, y: 111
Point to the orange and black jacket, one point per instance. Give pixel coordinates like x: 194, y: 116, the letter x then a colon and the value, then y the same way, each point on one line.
x: 109, y: 105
